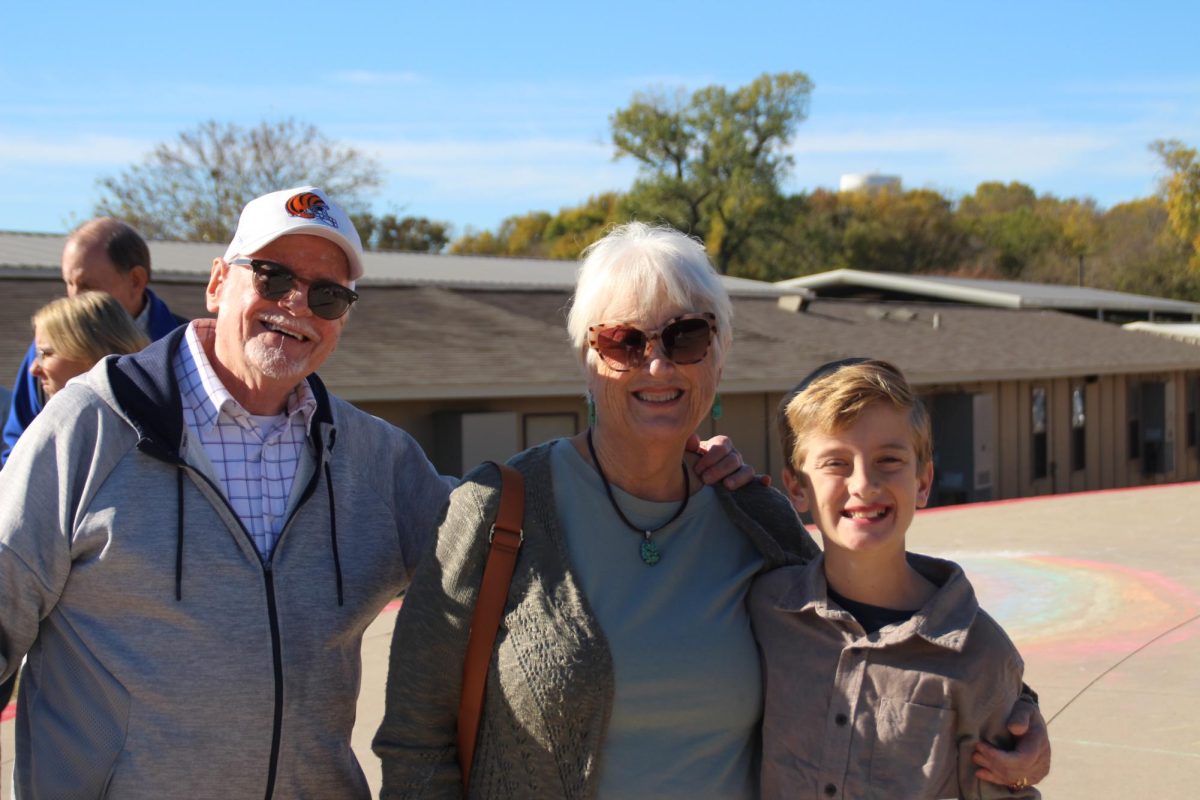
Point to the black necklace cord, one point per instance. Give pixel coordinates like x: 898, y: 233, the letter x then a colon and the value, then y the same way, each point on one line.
x: 612, y: 499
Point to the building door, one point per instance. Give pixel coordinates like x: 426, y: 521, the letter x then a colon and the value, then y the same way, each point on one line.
x: 954, y: 450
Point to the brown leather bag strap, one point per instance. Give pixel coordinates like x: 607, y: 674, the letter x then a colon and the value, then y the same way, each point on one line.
x: 505, y: 538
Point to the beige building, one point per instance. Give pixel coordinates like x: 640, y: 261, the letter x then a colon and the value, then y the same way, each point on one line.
x: 470, y: 355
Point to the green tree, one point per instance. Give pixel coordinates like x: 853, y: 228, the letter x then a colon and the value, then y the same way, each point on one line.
x: 1181, y: 189
x: 810, y: 239
x: 408, y: 234
x: 1008, y: 229
x: 194, y: 188
x: 712, y: 164
x: 901, y: 231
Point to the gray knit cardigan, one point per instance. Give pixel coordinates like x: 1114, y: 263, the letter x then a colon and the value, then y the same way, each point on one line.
x: 550, y: 686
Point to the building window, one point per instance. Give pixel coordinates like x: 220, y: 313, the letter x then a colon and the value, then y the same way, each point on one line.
x: 1041, y: 449
x: 1078, y: 427
x: 1156, y: 451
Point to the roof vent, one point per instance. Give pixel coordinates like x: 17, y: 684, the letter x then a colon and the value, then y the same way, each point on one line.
x: 795, y: 303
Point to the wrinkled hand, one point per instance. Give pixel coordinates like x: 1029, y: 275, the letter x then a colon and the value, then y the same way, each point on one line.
x: 721, y: 462
x: 1028, y: 762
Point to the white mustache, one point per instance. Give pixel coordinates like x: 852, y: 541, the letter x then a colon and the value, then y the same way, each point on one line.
x: 291, y: 324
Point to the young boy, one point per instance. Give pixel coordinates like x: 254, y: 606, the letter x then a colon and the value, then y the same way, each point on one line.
x: 880, y: 670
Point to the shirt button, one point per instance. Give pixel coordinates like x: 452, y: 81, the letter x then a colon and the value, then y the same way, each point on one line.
x: 830, y: 789
x: 841, y: 719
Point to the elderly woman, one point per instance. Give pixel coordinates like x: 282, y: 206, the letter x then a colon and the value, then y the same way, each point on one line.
x: 625, y: 665
x: 73, y: 333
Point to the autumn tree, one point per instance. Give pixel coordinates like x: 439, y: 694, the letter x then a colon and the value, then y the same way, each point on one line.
x: 1180, y: 187
x: 520, y: 235
x: 539, y: 234
x: 1142, y: 254
x: 712, y: 163
x: 194, y: 187
x: 1080, y: 236
x: 573, y: 228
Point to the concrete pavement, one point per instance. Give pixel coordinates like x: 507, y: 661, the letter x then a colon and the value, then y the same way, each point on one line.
x: 1101, y: 593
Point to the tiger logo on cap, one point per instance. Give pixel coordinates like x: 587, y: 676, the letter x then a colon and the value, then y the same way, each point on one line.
x: 310, y: 206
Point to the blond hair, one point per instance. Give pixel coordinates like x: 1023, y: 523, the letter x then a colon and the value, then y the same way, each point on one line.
x: 838, y: 395
x: 88, y: 327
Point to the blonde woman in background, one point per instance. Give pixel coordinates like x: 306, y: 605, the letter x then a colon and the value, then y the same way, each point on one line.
x: 73, y: 333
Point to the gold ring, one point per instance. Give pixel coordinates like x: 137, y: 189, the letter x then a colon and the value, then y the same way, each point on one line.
x: 1021, y: 784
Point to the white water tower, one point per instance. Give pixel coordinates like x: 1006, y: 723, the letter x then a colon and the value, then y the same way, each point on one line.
x: 868, y: 182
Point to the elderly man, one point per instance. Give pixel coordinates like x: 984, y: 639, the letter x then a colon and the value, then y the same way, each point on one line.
x: 102, y: 254
x: 193, y: 540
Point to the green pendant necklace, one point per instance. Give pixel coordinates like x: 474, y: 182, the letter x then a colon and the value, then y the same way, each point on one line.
x: 649, y: 551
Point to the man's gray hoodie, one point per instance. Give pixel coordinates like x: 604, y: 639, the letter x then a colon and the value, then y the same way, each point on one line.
x: 165, y: 657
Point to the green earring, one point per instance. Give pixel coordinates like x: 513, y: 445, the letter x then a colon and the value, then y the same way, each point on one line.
x: 591, y: 411
x: 717, y: 410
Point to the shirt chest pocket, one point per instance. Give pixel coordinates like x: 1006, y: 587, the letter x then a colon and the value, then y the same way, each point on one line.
x: 915, y: 753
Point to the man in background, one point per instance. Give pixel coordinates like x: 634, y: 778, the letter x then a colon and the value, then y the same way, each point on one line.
x: 102, y: 254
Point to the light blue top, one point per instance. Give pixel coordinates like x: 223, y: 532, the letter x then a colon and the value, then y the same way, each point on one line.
x: 688, y: 694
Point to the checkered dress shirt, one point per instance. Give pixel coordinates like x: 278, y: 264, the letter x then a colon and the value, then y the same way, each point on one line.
x: 255, y: 458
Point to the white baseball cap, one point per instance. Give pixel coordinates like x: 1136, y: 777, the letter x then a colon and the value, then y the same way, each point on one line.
x: 305, y: 209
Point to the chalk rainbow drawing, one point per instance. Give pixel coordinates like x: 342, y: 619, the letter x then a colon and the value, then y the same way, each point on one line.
x: 1069, y: 608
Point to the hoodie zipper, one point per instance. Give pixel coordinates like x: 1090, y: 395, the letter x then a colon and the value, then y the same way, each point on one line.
x: 277, y: 661
x: 152, y: 446
x: 272, y: 611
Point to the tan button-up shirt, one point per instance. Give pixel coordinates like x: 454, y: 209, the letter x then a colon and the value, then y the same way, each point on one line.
x: 894, y: 714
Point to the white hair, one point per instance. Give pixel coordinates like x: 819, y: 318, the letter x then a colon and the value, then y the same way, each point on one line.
x: 640, y: 266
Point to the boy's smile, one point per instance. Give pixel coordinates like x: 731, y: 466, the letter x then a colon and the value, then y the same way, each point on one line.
x: 862, y: 484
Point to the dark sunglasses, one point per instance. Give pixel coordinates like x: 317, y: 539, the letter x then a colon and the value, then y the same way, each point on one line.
x: 326, y: 299
x: 685, y: 340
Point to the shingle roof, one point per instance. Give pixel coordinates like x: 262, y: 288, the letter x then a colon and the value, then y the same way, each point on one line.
x: 435, y: 342
x: 1005, y: 294
x: 407, y: 342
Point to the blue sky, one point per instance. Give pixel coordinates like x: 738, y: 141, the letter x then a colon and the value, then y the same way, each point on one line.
x: 481, y: 110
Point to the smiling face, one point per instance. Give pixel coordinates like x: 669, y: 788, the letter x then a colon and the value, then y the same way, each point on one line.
x: 862, y: 484
x: 264, y: 348
x: 659, y: 402
x: 52, y: 368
